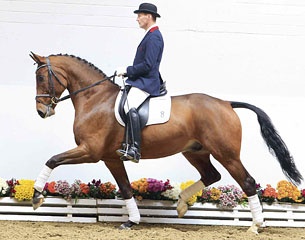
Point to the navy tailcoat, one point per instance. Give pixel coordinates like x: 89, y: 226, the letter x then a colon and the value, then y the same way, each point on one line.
x: 144, y: 73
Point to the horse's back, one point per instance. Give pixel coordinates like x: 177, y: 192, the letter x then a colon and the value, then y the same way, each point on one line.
x: 201, y: 102
x: 206, y: 115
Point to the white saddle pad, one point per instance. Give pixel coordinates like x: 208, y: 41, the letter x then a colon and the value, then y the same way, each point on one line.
x: 159, y: 109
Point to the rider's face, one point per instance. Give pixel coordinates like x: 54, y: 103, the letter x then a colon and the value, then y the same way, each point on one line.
x: 144, y: 20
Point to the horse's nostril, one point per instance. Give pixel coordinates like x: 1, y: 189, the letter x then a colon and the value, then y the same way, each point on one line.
x: 41, y: 114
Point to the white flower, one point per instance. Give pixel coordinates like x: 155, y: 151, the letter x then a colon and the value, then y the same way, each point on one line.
x: 3, y: 186
x: 173, y: 193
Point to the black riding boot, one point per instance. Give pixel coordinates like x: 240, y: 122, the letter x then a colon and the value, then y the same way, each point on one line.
x: 132, y: 150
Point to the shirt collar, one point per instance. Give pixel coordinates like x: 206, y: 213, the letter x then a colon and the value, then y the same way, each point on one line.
x: 152, y: 26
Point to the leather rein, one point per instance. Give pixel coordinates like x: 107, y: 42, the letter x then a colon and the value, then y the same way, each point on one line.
x: 55, y: 100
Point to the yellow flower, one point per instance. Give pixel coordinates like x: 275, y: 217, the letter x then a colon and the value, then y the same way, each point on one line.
x: 140, y: 185
x: 288, y: 190
x: 192, y: 200
x: 215, y: 194
x: 24, y: 190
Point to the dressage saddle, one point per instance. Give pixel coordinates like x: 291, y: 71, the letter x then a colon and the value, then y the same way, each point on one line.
x: 143, y: 109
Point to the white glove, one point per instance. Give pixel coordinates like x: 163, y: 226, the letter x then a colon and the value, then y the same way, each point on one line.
x: 121, y: 71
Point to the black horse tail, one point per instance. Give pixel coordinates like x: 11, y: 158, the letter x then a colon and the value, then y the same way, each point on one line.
x: 275, y: 143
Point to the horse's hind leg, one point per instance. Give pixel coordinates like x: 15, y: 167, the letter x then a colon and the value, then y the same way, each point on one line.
x: 209, y: 174
x: 248, y: 185
x: 201, y: 161
x: 223, y: 140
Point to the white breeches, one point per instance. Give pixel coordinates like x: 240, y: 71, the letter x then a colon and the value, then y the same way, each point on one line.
x: 135, y: 98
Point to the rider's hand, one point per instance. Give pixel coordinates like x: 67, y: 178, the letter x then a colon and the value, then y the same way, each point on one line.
x: 121, y: 72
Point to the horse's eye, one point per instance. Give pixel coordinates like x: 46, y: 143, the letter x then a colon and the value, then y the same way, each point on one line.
x: 40, y: 78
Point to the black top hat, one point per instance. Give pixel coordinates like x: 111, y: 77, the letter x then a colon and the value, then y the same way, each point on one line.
x: 147, y: 8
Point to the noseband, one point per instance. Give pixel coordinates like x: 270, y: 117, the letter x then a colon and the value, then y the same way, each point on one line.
x: 52, y: 94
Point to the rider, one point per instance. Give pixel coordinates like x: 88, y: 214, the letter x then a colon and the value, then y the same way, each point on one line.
x: 143, y: 77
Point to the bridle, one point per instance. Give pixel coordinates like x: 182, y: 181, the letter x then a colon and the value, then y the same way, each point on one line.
x: 52, y: 95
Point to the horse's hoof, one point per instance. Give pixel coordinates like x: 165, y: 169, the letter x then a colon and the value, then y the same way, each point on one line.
x: 181, y: 208
x: 127, y: 225
x: 37, y: 200
x: 254, y: 228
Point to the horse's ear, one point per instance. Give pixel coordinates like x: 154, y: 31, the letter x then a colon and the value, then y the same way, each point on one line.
x: 36, y: 58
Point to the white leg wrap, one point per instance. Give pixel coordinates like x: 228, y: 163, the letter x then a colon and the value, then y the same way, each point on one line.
x: 256, y: 210
x: 191, y: 190
x: 133, y: 211
x: 42, y: 178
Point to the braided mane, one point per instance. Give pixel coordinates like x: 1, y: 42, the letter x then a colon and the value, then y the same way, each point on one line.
x: 91, y: 65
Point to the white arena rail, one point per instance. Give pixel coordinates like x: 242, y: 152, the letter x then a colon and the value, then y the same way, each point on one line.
x: 53, y: 210
x: 282, y: 215
x: 114, y: 210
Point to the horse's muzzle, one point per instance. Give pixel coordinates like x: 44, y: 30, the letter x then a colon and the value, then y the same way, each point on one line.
x: 41, y: 114
x: 45, y: 112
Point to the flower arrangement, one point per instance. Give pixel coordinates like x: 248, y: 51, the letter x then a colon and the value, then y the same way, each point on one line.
x: 63, y: 188
x: 173, y: 192
x: 49, y: 189
x: 24, y: 190
x: 269, y: 194
x: 4, y: 188
x: 287, y: 192
x: 148, y: 188
x: 139, y: 188
x: 224, y: 196
x: 94, y: 189
x: 230, y: 196
x: 211, y: 195
x: 79, y: 190
x: 107, y: 190
x: 8, y: 187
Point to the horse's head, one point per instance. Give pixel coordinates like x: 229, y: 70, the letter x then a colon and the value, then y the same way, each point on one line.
x: 50, y: 84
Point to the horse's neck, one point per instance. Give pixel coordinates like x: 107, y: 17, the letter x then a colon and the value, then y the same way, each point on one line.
x: 101, y: 93
x: 78, y: 79
x: 80, y: 76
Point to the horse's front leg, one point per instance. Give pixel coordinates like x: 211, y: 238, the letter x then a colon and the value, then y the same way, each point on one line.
x: 118, y: 171
x: 74, y: 156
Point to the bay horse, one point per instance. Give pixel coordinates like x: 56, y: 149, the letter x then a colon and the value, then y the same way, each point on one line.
x: 200, y: 126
